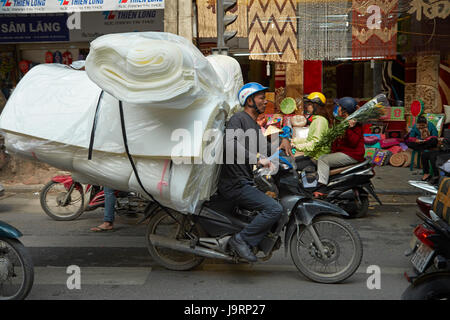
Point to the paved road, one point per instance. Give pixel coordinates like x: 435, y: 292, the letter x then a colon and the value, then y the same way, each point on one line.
x: 116, y: 265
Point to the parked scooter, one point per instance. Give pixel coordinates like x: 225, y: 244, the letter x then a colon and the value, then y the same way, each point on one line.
x: 430, y: 246
x: 64, y: 199
x: 430, y: 257
x: 348, y: 187
x: 429, y: 286
x: 16, y: 265
x: 323, y: 246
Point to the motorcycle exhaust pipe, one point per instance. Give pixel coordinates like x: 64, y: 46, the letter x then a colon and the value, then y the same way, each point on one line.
x: 159, y: 241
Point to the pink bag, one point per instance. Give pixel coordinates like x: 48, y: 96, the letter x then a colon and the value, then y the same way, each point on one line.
x: 386, y: 143
x: 395, y: 149
x: 369, y: 140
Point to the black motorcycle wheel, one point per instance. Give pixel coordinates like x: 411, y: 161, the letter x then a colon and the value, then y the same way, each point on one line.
x: 437, y: 288
x: 51, y: 202
x: 335, y: 235
x: 163, y: 225
x: 358, y: 210
x: 16, y: 270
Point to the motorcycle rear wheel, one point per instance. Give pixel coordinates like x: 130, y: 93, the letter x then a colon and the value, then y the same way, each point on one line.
x: 51, y: 202
x: 320, y: 269
x: 358, y: 210
x: 162, y: 224
x: 432, y: 288
x: 16, y: 270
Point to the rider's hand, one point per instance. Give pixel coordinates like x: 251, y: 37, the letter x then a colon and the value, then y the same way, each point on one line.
x: 286, y: 146
x: 352, y: 123
x: 266, y: 163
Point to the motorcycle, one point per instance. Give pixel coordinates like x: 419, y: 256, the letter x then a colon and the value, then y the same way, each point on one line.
x: 16, y: 265
x: 323, y: 246
x: 64, y: 199
x: 429, y: 286
x: 430, y: 251
x: 425, y: 202
x: 348, y: 187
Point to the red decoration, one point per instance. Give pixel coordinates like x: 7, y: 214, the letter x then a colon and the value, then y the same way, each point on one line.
x: 48, y: 57
x: 312, y: 76
x: 24, y: 66
x: 370, y: 40
x: 416, y: 108
x: 67, y: 58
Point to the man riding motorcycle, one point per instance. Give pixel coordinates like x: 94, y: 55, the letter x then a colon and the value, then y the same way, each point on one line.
x: 236, y: 179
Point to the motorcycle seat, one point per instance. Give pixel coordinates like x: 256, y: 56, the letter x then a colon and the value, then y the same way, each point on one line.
x: 338, y: 170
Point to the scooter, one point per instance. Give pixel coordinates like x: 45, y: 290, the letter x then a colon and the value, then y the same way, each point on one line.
x: 16, y: 265
x: 429, y: 286
x: 348, y: 187
x: 64, y: 199
x: 323, y: 246
x: 430, y: 257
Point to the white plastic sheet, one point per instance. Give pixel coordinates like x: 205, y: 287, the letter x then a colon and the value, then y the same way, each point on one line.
x: 57, y: 103
x: 154, y: 68
x: 50, y: 117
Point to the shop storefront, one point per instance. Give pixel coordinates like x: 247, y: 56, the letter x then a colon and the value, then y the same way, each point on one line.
x: 30, y: 39
x: 355, y: 48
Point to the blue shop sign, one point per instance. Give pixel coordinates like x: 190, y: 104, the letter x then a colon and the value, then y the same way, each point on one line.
x: 34, y: 28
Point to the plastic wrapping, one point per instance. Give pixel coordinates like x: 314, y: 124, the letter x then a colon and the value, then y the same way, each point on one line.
x: 178, y: 186
x: 230, y: 74
x: 65, y: 114
x: 154, y: 68
x: 51, y: 114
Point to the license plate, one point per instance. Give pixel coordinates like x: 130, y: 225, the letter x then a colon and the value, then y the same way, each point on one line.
x: 421, y: 257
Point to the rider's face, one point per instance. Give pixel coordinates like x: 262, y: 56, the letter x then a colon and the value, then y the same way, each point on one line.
x: 309, y: 108
x: 260, y: 101
x: 342, y: 112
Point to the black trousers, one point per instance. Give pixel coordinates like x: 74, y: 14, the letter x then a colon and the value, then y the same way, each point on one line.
x: 432, y: 143
x: 247, y: 196
x: 432, y: 156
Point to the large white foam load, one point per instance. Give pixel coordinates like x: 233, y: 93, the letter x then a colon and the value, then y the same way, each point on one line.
x: 167, y: 114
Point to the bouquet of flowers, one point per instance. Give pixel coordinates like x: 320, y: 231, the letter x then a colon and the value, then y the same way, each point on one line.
x: 372, y: 110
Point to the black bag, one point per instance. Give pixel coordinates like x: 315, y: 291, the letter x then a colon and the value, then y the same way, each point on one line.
x: 442, y: 202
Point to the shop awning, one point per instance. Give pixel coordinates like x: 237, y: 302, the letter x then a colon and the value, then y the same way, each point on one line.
x: 67, y: 6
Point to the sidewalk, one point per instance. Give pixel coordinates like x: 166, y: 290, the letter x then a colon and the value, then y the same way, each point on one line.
x: 391, y: 180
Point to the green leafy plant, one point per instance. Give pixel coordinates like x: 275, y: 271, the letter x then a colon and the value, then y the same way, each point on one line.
x: 372, y: 110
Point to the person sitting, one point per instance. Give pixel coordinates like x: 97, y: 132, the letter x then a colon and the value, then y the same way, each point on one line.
x: 236, y: 178
x: 308, y: 107
x: 423, y: 135
x: 319, y: 125
x: 346, y: 150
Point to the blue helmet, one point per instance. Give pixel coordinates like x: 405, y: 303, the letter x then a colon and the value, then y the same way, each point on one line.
x: 249, y: 89
x: 348, y: 103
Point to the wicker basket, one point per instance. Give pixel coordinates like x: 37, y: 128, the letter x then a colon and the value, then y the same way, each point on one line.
x: 397, y: 160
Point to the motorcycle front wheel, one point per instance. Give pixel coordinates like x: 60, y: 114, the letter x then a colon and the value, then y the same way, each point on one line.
x: 53, y: 197
x: 162, y: 224
x: 342, y: 245
x: 16, y: 270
